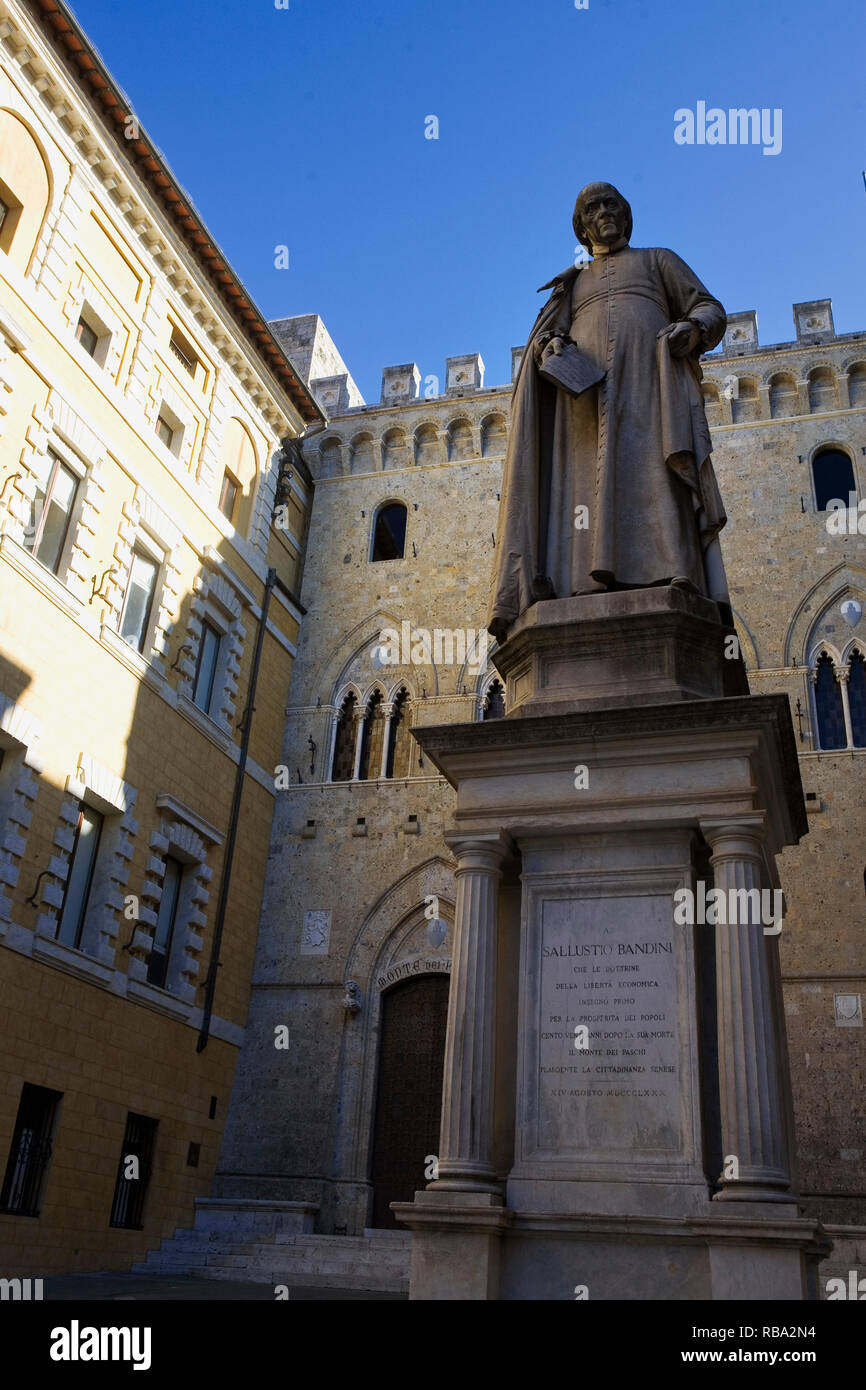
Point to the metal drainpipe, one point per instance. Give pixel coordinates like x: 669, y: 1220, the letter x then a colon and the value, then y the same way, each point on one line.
x: 210, y: 983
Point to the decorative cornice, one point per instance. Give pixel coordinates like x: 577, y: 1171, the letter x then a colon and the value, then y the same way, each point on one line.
x: 147, y: 166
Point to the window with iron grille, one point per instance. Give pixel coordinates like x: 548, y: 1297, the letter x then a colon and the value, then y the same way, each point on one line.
x: 30, y: 1151
x: 130, y: 1192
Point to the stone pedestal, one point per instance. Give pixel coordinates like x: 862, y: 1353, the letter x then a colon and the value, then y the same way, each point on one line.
x: 616, y: 1121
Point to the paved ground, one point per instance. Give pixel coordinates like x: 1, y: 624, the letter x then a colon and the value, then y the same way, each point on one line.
x: 113, y: 1287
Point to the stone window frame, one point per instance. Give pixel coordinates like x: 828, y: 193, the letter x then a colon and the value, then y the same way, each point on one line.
x: 216, y: 602
x: 60, y: 428
x: 145, y: 523
x: 390, y: 501
x: 188, y: 837
x: 361, y: 712
x: 169, y: 403
x: 841, y: 663
x: 825, y: 446
x: 88, y: 300
x: 107, y: 792
x: 20, y: 732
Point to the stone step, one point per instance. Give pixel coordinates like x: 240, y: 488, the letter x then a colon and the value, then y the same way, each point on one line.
x: 376, y: 1261
x: 381, y: 1283
x: 308, y: 1260
x: 305, y: 1251
x: 185, y: 1239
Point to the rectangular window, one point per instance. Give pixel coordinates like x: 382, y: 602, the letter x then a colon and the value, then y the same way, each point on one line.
x: 79, y: 880
x: 162, y: 938
x: 87, y: 336
x: 165, y: 431
x: 137, y: 605
x: 30, y: 1151
x: 133, y: 1173
x: 183, y: 352
x: 205, y: 675
x: 50, y: 513
x: 229, y: 495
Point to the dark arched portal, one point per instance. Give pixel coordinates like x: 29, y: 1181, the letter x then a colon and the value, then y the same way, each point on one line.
x: 408, y: 1090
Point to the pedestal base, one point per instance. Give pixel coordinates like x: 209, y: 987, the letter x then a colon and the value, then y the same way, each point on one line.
x: 462, y: 1252
x: 615, y: 1059
x: 604, y: 651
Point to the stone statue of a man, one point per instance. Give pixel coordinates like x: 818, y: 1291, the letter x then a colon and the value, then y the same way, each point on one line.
x: 612, y: 488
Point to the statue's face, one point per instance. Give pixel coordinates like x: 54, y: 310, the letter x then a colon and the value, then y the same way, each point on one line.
x: 604, y: 217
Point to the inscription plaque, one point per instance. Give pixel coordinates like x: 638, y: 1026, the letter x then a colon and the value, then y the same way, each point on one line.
x: 607, y: 1030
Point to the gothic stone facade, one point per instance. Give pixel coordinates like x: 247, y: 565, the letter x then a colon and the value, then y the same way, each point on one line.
x: 360, y: 887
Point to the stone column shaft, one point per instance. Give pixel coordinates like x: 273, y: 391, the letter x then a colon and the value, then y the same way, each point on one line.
x: 842, y: 673
x: 467, y: 1098
x: 387, y: 715
x: 752, y: 1113
x: 360, y: 717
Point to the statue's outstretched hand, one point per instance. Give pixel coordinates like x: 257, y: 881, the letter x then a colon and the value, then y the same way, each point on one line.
x: 683, y: 337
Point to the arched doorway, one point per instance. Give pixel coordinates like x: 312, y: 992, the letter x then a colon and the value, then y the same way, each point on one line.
x: 408, y: 1090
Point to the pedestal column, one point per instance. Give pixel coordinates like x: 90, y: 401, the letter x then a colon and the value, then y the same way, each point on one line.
x: 465, y: 1143
x: 752, y: 1115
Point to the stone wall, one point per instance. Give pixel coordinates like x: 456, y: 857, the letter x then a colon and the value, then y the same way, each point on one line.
x: 301, y: 1121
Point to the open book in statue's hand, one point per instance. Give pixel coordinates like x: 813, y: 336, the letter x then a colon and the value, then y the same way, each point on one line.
x: 570, y: 369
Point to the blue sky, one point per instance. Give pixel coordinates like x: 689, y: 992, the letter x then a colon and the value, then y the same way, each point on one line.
x: 305, y: 127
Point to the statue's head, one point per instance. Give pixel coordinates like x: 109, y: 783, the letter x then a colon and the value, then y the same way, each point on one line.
x: 601, y: 216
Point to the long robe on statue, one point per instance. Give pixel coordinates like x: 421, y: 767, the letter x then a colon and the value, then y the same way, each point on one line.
x: 633, y: 451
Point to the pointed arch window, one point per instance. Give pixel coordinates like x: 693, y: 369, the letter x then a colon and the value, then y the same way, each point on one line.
x: 372, y: 739
x: 399, y: 737
x: 343, y: 765
x: 828, y: 706
x: 494, y: 703
x: 857, y: 698
x: 389, y: 532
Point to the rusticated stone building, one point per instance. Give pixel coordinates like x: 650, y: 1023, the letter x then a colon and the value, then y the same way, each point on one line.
x: 354, y: 946
x: 143, y: 405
